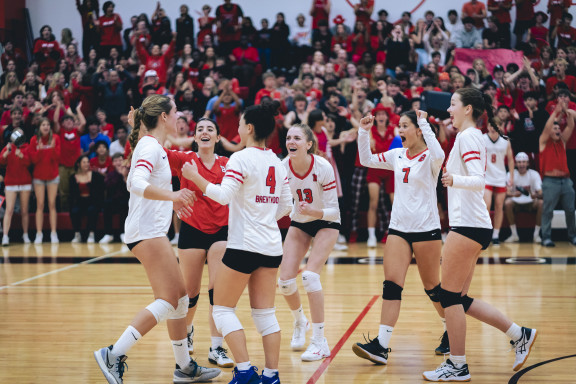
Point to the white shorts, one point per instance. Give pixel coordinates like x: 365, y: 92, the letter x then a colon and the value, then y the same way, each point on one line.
x: 18, y: 188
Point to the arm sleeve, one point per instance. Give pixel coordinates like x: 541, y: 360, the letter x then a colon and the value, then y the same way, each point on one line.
x: 436, y: 153
x: 367, y: 158
x: 475, y: 180
x: 143, y: 161
x: 231, y: 183
x: 286, y: 203
x: 330, y: 196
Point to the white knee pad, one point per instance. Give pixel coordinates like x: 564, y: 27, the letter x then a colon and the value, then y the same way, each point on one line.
x: 265, y: 321
x: 287, y: 287
x: 182, y: 309
x: 311, y: 281
x: 226, y: 320
x: 161, y: 309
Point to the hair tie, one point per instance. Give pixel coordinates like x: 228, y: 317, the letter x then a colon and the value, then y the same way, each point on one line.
x: 141, y: 109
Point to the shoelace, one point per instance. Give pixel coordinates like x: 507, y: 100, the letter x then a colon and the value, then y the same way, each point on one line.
x: 375, y: 341
x: 444, y: 339
x: 221, y: 351
x: 514, y: 344
x: 121, y: 366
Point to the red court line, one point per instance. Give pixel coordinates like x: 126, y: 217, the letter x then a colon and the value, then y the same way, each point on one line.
x: 341, y: 342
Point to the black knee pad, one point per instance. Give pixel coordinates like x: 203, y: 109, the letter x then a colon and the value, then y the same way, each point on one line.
x: 467, y: 302
x: 434, y: 293
x: 391, y: 290
x: 193, y: 301
x: 448, y: 299
x: 211, y: 296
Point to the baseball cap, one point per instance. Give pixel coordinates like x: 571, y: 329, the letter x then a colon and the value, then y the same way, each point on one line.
x: 444, y: 76
x: 151, y: 73
x: 498, y: 68
x: 522, y: 156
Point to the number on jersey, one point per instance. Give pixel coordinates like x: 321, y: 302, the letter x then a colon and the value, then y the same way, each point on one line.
x: 305, y: 195
x: 271, y: 179
x: 406, y: 173
x: 493, y: 158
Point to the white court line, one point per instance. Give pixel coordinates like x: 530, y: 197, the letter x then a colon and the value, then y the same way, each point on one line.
x: 62, y: 269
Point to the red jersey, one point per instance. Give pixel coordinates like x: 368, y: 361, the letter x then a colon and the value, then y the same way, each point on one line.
x: 553, y: 158
x: 228, y: 18
x: 552, y: 81
x: 107, y: 130
x: 208, y: 215
x: 17, y: 169
x: 274, y: 95
x: 502, y: 14
x: 110, y: 27
x: 249, y: 53
x: 319, y: 13
x: 158, y: 63
x: 539, y: 34
x: 228, y: 118
x: 70, y: 149
x: 555, y: 9
x: 205, y: 28
x: 101, y: 167
x: 7, y: 119
x: 45, y: 49
x: 45, y: 157
x: 470, y: 9
x: 550, y: 107
x: 566, y: 35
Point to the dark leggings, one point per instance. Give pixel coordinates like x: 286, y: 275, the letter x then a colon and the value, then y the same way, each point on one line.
x: 84, y: 208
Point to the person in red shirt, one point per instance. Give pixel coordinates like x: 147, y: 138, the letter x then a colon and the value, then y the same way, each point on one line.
x: 244, y: 60
x: 538, y: 31
x: 320, y: 10
x: 363, y: 10
x: 556, y: 8
x: 102, y: 162
x: 47, y: 51
x: 562, y: 119
x: 204, y: 233
x: 269, y: 80
x: 501, y: 10
x: 156, y: 60
x: 524, y: 19
x: 109, y: 25
x: 357, y: 42
x: 45, y: 155
x: 106, y: 128
x: 476, y: 10
x: 565, y: 33
x: 228, y: 108
x: 205, y: 24
x: 18, y: 181
x: 560, y: 66
x: 228, y: 18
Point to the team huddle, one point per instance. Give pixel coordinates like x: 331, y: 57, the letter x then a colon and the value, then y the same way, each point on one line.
x: 230, y: 208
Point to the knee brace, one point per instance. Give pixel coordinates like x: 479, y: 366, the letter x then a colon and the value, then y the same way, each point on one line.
x: 287, y: 287
x: 448, y: 299
x: 311, y: 281
x: 434, y: 293
x: 391, y: 290
x: 211, y: 296
x: 467, y: 302
x: 265, y: 321
x: 226, y: 320
x: 160, y: 309
x: 192, y: 301
x: 181, y: 311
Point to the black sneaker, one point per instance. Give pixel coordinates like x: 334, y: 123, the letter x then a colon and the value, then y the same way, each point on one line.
x: 372, y: 351
x: 444, y: 347
x: 548, y: 243
x: 495, y: 241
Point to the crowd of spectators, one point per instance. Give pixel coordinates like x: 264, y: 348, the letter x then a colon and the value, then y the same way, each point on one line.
x: 69, y: 100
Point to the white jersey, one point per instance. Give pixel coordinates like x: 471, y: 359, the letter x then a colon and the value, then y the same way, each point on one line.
x: 147, y: 218
x: 415, y: 178
x: 530, y: 182
x: 495, y: 165
x: 317, y: 187
x: 256, y: 188
x: 467, y: 165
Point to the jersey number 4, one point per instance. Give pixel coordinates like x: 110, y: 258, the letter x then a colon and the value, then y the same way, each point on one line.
x: 406, y: 173
x: 271, y: 179
x: 305, y: 195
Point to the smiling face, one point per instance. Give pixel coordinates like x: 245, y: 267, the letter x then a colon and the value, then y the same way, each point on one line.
x: 84, y: 164
x: 458, y: 112
x: 206, y: 134
x: 297, y: 143
x: 170, y: 119
x: 44, y: 128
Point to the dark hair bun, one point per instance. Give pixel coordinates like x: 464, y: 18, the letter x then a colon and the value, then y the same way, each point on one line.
x: 271, y: 107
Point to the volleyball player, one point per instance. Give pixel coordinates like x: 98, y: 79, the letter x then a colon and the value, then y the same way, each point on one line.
x: 256, y: 188
x: 471, y: 232
x: 150, y: 211
x: 497, y: 149
x: 315, y: 215
x: 414, y: 225
x: 204, y: 232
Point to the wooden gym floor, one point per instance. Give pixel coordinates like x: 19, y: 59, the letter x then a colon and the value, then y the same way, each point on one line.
x: 60, y: 303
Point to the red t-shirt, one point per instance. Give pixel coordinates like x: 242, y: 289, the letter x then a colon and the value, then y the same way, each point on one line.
x: 539, y: 34
x: 228, y: 19
x: 474, y: 9
x: 158, y: 63
x: 550, y: 107
x: 48, y: 65
x: 228, y: 118
x: 566, y: 36
x: 208, y: 215
x: 101, y: 167
x: 17, y: 169
x: 70, y: 149
x: 525, y: 11
x: 319, y: 13
x: 502, y: 14
x: 46, y: 158
x: 7, y: 119
x: 555, y: 8
x: 249, y: 53
x: 553, y: 158
x: 109, y: 34
x: 107, y: 130
x: 274, y: 95
x: 552, y: 81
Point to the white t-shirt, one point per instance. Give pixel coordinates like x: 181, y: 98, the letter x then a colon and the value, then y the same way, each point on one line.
x: 530, y: 181
x: 256, y: 188
x: 415, y: 178
x: 148, y: 219
x: 496, y: 157
x: 317, y: 187
x: 116, y: 147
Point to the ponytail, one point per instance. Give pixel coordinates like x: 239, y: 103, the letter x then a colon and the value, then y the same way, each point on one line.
x: 148, y: 113
x: 480, y: 102
x: 490, y: 113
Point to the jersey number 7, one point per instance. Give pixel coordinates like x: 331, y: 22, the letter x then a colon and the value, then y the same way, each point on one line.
x: 406, y: 173
x: 271, y: 179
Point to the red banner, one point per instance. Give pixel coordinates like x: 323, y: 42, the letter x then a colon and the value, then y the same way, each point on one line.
x: 463, y: 58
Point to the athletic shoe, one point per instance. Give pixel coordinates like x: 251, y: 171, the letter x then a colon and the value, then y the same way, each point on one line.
x: 54, y: 238
x: 512, y: 239
x: 5, y: 241
x: 174, y: 241
x: 299, y: 335
x: 340, y: 247
x: 548, y: 243
x: 372, y: 351
x: 495, y: 241
x: 25, y: 238
x: 317, y: 350
x: 122, y: 238
x: 77, y: 237
x: 270, y: 380
x: 523, y: 346
x: 112, y: 366
x: 39, y: 238
x: 573, y: 241
x: 106, y: 239
x: 218, y: 356
x: 444, y: 347
x: 194, y: 373
x: 371, y: 242
x: 341, y: 239
x: 537, y: 238
x: 90, y: 239
x: 190, y: 337
x: 245, y: 377
x: 447, y: 371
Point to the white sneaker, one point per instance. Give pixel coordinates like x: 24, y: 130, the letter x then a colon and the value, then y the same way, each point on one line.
x: 39, y: 238
x: 122, y: 237
x: 371, y: 243
x: 106, y: 239
x: 5, y: 240
x: 317, y: 350
x: 340, y: 247
x: 26, y: 238
x: 54, y: 238
x: 523, y: 346
x: 512, y: 239
x: 299, y: 335
x: 218, y: 356
x: 77, y: 237
x: 537, y: 238
x: 447, y: 371
x: 174, y: 241
x: 90, y: 239
x: 341, y: 239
